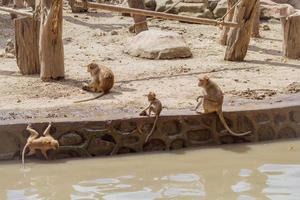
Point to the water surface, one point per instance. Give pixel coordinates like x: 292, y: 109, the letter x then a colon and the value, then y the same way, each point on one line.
x: 241, y: 172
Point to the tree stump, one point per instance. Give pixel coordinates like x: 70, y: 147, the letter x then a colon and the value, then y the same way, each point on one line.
x: 27, y: 50
x: 291, y: 39
x: 225, y: 30
x: 140, y: 22
x: 256, y: 22
x: 239, y: 38
x: 51, y: 49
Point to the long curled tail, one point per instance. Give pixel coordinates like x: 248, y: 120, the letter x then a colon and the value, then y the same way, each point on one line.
x: 96, y: 97
x: 153, y: 128
x: 221, y: 116
x: 23, y: 155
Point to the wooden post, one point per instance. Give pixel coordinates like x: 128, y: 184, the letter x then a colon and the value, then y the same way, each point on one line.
x: 291, y: 39
x: 140, y: 22
x: 256, y: 22
x: 51, y: 49
x: 27, y: 51
x: 225, y: 29
x: 239, y: 38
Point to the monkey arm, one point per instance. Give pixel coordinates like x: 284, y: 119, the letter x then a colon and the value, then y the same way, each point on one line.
x: 46, y: 132
x: 206, y: 97
x: 201, y: 96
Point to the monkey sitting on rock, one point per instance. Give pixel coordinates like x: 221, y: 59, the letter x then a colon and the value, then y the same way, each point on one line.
x: 155, y: 106
x: 212, y: 101
x: 102, y: 80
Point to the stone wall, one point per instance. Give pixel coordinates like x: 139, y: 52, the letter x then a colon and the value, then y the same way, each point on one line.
x: 120, y: 136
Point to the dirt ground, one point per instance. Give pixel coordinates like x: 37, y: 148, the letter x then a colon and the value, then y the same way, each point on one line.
x: 265, y: 76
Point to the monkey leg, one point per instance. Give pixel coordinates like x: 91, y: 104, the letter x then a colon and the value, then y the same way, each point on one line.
x: 44, y: 152
x: 33, y: 133
x: 31, y: 152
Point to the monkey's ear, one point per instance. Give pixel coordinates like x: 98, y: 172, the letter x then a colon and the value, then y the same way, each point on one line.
x: 206, y: 78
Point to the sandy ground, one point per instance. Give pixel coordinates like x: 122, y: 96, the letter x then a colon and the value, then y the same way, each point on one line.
x: 265, y: 76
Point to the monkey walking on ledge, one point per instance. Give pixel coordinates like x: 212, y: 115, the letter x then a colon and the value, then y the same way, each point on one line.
x: 43, y: 143
x: 155, y: 106
x: 102, y: 81
x: 212, y: 101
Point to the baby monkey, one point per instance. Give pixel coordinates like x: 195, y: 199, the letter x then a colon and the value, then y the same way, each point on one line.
x: 102, y: 80
x: 43, y: 143
x: 155, y: 106
x: 213, y: 101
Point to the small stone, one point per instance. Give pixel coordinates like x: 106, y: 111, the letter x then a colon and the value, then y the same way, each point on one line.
x: 114, y: 32
x: 266, y: 27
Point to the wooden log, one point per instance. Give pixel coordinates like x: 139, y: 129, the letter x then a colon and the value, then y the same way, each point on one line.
x: 225, y: 29
x: 51, y: 49
x: 161, y: 15
x: 140, y: 21
x: 256, y: 22
x: 15, y: 11
x: 27, y: 51
x: 239, y: 38
x: 291, y: 39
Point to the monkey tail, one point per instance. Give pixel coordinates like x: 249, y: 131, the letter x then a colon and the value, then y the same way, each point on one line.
x: 23, y: 155
x: 153, y: 128
x: 221, y: 116
x: 96, y: 97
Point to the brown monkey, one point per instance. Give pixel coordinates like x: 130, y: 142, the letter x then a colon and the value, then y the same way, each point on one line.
x: 213, y: 101
x: 44, y: 143
x: 155, y: 106
x: 103, y: 80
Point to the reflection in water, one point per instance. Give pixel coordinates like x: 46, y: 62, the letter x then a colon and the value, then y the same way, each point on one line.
x: 173, y: 186
x: 283, y: 181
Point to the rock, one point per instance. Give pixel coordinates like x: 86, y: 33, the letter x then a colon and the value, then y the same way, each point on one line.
x: 161, y: 5
x: 114, y: 32
x: 206, y: 14
x: 99, y: 146
x: 220, y: 9
x: 157, y: 44
x: 294, y: 3
x: 10, y: 47
x: 150, y: 4
x: 70, y: 139
x: 270, y: 9
x: 212, y: 4
x: 195, y: 1
x: 266, y: 27
x: 191, y: 7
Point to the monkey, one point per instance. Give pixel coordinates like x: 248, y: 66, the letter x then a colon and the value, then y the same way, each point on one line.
x: 213, y: 101
x: 103, y: 81
x: 44, y: 143
x: 155, y: 106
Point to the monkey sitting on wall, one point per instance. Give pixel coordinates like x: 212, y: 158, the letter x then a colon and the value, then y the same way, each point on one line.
x: 43, y: 143
x: 212, y: 101
x: 102, y: 80
x: 155, y: 106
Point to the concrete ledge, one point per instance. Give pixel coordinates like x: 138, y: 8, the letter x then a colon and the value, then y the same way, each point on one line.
x: 117, y: 135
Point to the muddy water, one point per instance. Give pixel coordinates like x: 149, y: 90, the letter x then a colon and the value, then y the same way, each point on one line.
x: 243, y: 172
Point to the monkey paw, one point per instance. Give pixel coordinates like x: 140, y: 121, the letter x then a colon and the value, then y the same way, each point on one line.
x: 143, y: 113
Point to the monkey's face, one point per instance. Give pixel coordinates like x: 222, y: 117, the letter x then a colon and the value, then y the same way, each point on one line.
x: 54, y: 144
x: 92, y: 67
x: 202, y: 82
x: 151, y: 96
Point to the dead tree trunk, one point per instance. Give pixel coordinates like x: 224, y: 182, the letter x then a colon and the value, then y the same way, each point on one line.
x: 239, y: 38
x: 27, y: 50
x: 225, y: 30
x: 256, y: 22
x: 140, y: 23
x: 51, y: 49
x: 291, y: 39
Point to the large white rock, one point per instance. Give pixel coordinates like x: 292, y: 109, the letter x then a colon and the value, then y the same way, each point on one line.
x: 157, y: 44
